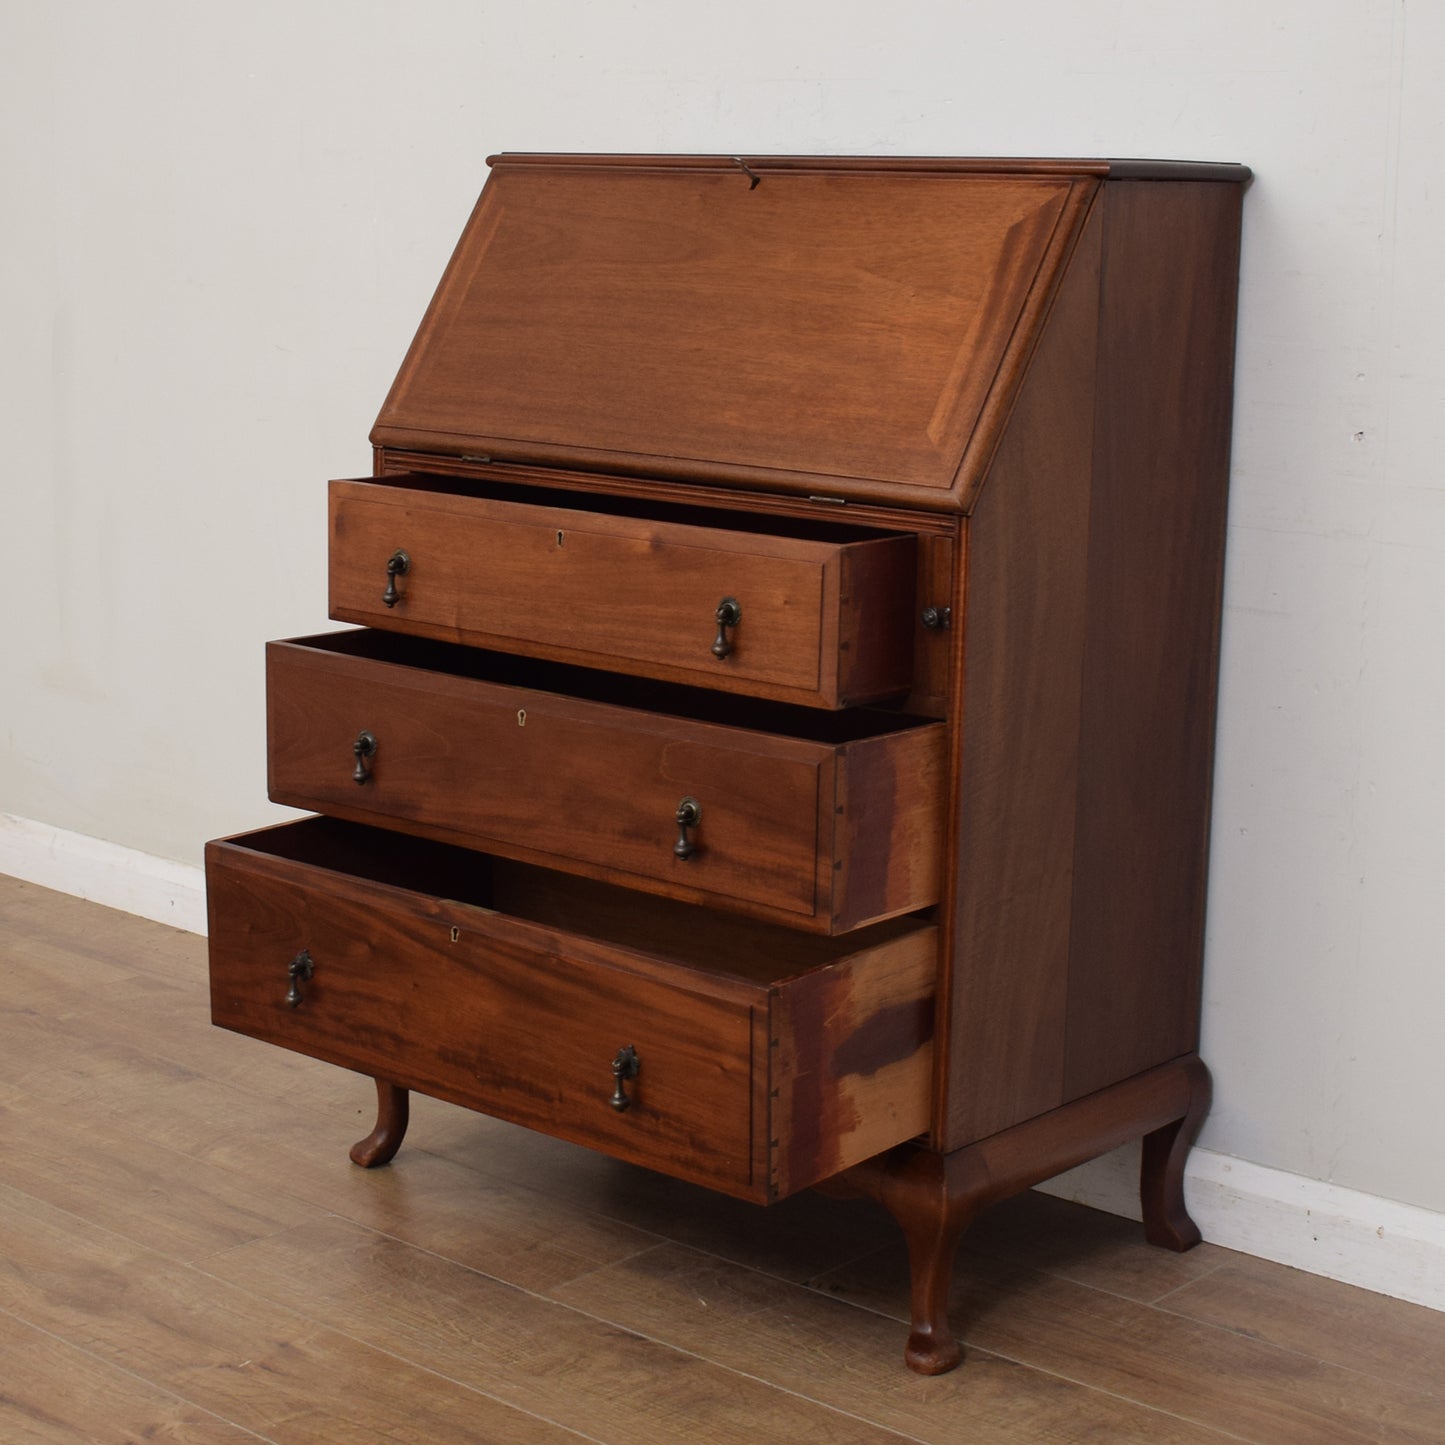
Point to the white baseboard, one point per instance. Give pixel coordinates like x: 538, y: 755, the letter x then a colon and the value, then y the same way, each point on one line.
x: 1379, y: 1244
x: 1394, y: 1249
x: 135, y: 882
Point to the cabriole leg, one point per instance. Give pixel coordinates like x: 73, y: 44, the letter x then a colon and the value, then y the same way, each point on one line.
x: 934, y: 1196
x: 930, y: 1197
x: 392, y: 1112
x: 933, y: 1221
x: 1161, y: 1171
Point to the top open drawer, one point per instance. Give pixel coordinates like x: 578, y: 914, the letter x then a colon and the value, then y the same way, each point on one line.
x: 817, y: 613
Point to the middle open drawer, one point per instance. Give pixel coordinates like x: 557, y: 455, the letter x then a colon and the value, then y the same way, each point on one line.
x: 825, y: 821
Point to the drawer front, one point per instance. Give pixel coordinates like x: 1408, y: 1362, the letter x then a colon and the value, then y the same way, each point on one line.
x: 523, y: 1020
x: 823, y: 623
x: 597, y: 788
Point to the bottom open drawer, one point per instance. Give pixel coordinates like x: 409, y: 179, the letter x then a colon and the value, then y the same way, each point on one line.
x: 767, y: 1060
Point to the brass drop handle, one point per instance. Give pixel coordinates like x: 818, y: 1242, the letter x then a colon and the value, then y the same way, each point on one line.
x: 625, y: 1066
x: 364, y: 749
x: 729, y: 614
x: 299, y: 971
x: 689, y: 815
x: 398, y: 565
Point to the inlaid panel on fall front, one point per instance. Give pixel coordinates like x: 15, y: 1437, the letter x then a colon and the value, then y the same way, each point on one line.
x: 822, y: 327
x: 826, y: 821
x: 752, y: 1059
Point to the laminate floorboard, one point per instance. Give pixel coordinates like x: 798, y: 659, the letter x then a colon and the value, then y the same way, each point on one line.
x: 186, y: 1254
x: 57, y: 1394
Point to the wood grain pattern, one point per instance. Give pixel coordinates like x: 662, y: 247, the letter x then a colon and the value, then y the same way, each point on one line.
x: 1018, y: 379
x: 1209, y: 1378
x: 57, y: 1394
x: 895, y: 512
x: 711, y: 942
x: 793, y: 1338
x: 594, y: 788
x: 1075, y: 1328
x: 479, y: 1213
x: 522, y: 1020
x: 877, y: 619
x: 503, y: 1017
x: 1021, y: 621
x: 261, y: 1365
x: 1091, y: 611
x: 888, y: 808
x: 940, y: 562
x: 851, y: 1059
x: 696, y: 324
x: 1034, y: 323
x: 1322, y: 1319
x: 937, y: 536
x: 1156, y: 557
x: 935, y: 1197
x: 53, y: 1159
x: 827, y: 610
x: 574, y: 783
x: 533, y: 1354
x: 1044, y: 1234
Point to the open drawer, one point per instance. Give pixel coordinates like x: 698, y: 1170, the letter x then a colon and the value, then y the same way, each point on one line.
x: 824, y: 821
x: 812, y: 612
x: 767, y: 1060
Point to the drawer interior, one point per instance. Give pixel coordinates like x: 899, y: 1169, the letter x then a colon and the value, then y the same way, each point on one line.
x: 652, y: 509
x: 672, y: 699
x: 707, y: 940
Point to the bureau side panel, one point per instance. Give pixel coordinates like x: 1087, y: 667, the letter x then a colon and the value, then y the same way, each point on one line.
x: 1156, y: 551
x: 1022, y: 623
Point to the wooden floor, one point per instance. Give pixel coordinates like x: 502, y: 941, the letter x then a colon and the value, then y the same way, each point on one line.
x: 187, y: 1254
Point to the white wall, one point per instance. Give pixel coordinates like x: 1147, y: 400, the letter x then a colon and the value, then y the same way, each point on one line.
x: 221, y: 224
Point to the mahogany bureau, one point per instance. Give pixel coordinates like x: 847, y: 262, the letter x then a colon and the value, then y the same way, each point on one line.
x: 777, y: 746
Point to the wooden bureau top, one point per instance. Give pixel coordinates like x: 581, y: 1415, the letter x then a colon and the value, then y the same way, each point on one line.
x: 836, y: 327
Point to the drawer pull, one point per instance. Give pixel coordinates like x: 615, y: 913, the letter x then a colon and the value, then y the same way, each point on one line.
x: 398, y: 565
x: 625, y: 1066
x: 364, y: 749
x: 729, y: 614
x: 299, y: 971
x: 937, y: 619
x: 689, y: 815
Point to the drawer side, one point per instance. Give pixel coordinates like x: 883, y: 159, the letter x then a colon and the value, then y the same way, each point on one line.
x: 888, y: 807
x: 851, y: 1060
